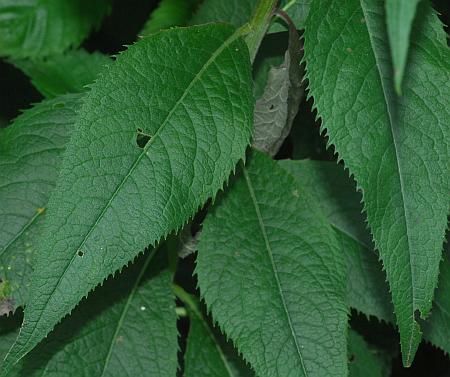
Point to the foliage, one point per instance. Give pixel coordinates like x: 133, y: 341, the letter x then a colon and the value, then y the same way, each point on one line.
x: 155, y: 221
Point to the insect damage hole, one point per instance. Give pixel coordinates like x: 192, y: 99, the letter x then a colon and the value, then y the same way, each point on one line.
x: 142, y: 138
x: 80, y: 253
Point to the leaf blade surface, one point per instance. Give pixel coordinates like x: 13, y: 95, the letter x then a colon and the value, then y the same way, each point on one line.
x: 122, y: 196
x: 265, y: 273
x: 397, y: 147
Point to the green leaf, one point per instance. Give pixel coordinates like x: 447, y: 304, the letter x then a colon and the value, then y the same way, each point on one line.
x: 367, y: 290
x: 364, y: 360
x: 125, y: 328
x: 35, y: 28
x: 341, y: 204
x: 65, y: 73
x: 30, y: 158
x: 207, y: 352
x: 168, y: 14
x: 396, y: 147
x: 399, y: 20
x: 276, y: 109
x: 235, y: 12
x: 193, y: 111
x: 270, y: 271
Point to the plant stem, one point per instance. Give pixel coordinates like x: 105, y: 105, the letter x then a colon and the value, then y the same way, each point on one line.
x: 254, y: 31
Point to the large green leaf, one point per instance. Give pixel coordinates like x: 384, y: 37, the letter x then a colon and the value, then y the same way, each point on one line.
x: 208, y: 354
x: 30, y: 157
x: 168, y: 14
x: 399, y: 20
x: 32, y: 28
x: 396, y: 147
x: 157, y: 135
x: 367, y: 290
x: 126, y: 328
x: 64, y: 73
x: 270, y: 271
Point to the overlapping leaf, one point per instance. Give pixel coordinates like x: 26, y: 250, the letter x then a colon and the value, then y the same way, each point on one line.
x: 169, y: 13
x: 367, y: 290
x: 235, y: 12
x: 364, y: 360
x: 117, y: 193
x: 30, y: 157
x: 270, y: 271
x: 126, y: 328
x: 341, y: 204
x: 399, y: 19
x: 396, y: 147
x: 238, y: 12
x: 36, y: 28
x: 65, y: 73
x: 208, y: 354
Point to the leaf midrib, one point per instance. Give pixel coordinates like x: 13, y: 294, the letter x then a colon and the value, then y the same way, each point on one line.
x: 390, y: 112
x: 274, y: 269
x: 196, y: 78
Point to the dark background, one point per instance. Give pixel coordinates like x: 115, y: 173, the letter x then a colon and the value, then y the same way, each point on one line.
x: 120, y: 29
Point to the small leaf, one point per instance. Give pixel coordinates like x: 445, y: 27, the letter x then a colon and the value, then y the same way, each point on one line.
x: 125, y: 328
x: 399, y: 19
x: 114, y: 198
x: 36, y: 28
x: 367, y: 290
x: 65, y: 73
x: 276, y: 109
x: 396, y: 147
x: 30, y: 158
x: 169, y: 13
x: 364, y: 360
x: 270, y: 271
x: 208, y: 354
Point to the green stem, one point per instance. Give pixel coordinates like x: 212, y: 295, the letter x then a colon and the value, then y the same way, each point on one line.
x: 254, y: 31
x: 187, y: 299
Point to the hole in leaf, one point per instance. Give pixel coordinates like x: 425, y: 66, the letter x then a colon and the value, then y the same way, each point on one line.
x: 351, y: 358
x: 142, y: 138
x: 271, y: 107
x: 80, y: 253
